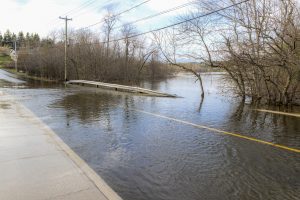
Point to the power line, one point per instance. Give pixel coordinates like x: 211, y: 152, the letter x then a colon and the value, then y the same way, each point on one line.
x: 171, y: 25
x: 84, y: 5
x: 132, y: 8
x: 79, y: 7
x: 118, y: 14
x: 85, y: 11
x: 156, y: 15
x: 175, y: 24
x: 163, y: 12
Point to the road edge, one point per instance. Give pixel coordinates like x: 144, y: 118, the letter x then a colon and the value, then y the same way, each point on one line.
x: 102, y: 186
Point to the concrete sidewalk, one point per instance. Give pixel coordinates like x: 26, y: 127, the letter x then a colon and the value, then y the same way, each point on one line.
x: 36, y: 165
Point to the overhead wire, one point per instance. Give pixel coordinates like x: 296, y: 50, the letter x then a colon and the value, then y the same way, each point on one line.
x: 174, y: 24
x: 116, y: 15
x: 84, y: 5
x: 77, y: 9
x: 86, y: 11
x: 156, y: 14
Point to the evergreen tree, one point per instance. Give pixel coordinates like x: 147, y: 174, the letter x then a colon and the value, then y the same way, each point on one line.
x: 36, y: 40
x: 13, y: 37
x: 21, y: 39
x: 7, y: 38
x: 1, y: 40
x: 27, y: 40
x: 47, y: 42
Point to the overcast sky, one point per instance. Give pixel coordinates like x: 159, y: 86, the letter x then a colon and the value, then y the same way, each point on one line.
x: 41, y: 16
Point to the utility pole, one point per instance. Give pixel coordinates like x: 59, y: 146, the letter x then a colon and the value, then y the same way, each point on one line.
x: 16, y: 56
x: 66, y: 43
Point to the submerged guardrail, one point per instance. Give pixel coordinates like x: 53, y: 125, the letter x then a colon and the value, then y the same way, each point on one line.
x: 121, y: 88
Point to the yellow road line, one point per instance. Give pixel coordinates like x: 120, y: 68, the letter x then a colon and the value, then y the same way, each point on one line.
x: 220, y: 131
x: 280, y: 113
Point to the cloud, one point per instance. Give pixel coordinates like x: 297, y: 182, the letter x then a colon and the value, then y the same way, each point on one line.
x: 29, y: 15
x: 42, y: 16
x: 160, y: 5
x: 22, y: 1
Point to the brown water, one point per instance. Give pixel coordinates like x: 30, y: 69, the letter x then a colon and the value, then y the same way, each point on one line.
x: 144, y: 156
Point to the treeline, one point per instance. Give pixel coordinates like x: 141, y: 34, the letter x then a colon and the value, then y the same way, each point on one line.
x: 31, y: 40
x: 128, y: 60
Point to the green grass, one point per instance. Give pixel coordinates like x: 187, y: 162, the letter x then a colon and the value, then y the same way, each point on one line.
x: 4, y: 59
x: 26, y: 76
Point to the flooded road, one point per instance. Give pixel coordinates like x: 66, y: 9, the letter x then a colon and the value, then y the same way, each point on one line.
x: 146, y: 148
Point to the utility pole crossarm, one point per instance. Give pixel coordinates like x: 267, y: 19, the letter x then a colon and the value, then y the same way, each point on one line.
x: 66, y: 43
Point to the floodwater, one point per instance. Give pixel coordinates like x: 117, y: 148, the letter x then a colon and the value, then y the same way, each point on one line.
x: 146, y: 148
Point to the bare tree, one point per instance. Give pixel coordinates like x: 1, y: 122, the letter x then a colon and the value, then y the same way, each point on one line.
x: 127, y: 31
x: 110, y: 20
x: 254, y: 42
x: 169, y: 43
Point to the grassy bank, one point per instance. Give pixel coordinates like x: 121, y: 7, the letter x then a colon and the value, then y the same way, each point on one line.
x: 6, y: 62
x: 25, y: 75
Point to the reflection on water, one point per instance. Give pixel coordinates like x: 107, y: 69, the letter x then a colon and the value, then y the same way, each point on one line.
x: 4, y: 106
x: 87, y: 107
x: 146, y: 157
